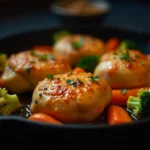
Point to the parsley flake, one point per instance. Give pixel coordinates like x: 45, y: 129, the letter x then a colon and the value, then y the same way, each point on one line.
x: 51, y: 57
x: 32, y: 52
x: 123, y: 91
x: 94, y: 78
x: 40, y: 94
x: 50, y: 76
x: 77, y: 44
x: 43, y: 57
x: 125, y: 55
x: 28, y: 69
x: 71, y: 82
x: 142, y: 63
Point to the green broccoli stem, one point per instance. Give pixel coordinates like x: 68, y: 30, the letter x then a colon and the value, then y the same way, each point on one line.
x: 133, y: 102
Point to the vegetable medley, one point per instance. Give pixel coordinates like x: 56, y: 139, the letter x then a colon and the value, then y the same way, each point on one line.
x: 78, y: 79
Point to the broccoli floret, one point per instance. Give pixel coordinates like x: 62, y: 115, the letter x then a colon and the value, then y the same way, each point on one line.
x: 8, y: 103
x: 88, y: 63
x: 140, y: 105
x: 3, y: 60
x: 128, y: 44
x: 58, y: 35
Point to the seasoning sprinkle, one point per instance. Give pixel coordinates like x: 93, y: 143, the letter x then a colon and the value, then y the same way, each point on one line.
x: 71, y: 82
x: 77, y: 44
x: 125, y: 55
x: 32, y: 52
x: 40, y: 94
x: 43, y: 57
x: 51, y: 57
x: 94, y: 78
x: 28, y: 69
x: 50, y: 76
x: 123, y: 91
x: 142, y: 63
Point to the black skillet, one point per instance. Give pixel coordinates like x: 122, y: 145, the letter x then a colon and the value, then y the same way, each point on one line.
x: 15, y: 131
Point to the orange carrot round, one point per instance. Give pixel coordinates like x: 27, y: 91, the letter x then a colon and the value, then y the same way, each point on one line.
x: 117, y: 115
x: 78, y: 70
x: 112, y: 44
x: 120, y: 97
x: 41, y: 117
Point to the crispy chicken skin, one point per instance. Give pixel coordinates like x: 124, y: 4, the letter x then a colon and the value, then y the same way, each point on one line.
x: 124, y: 69
x: 71, y: 97
x: 75, y: 46
x: 25, y: 69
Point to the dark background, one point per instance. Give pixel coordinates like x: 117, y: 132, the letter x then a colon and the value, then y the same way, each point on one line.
x: 25, y: 15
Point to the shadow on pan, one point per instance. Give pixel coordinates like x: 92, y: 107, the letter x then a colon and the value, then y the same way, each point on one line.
x: 39, y: 135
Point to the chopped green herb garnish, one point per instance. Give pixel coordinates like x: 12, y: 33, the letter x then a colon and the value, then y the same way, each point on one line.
x: 71, y: 73
x: 77, y: 44
x: 88, y: 63
x: 94, y: 78
x: 32, y: 52
x: 123, y: 91
x: 127, y: 44
x: 28, y: 69
x: 50, y: 76
x: 71, y: 82
x: 40, y: 94
x: 43, y: 57
x: 125, y: 55
x: 74, y: 82
x: 142, y: 63
x: 60, y: 34
x: 50, y: 57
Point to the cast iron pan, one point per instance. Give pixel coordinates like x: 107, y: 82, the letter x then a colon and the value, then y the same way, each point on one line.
x: 15, y: 131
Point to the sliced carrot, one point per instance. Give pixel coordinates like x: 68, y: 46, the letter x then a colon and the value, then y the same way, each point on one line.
x: 41, y: 117
x: 42, y: 48
x: 117, y: 115
x: 112, y: 44
x: 78, y: 70
x: 120, y: 98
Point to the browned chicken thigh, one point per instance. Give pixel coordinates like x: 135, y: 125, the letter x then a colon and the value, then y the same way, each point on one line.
x: 124, y: 69
x: 73, y: 47
x: 72, y: 97
x: 25, y: 69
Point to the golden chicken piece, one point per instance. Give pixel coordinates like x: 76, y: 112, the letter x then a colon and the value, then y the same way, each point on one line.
x: 25, y: 69
x: 124, y: 69
x: 73, y: 47
x: 72, y: 97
